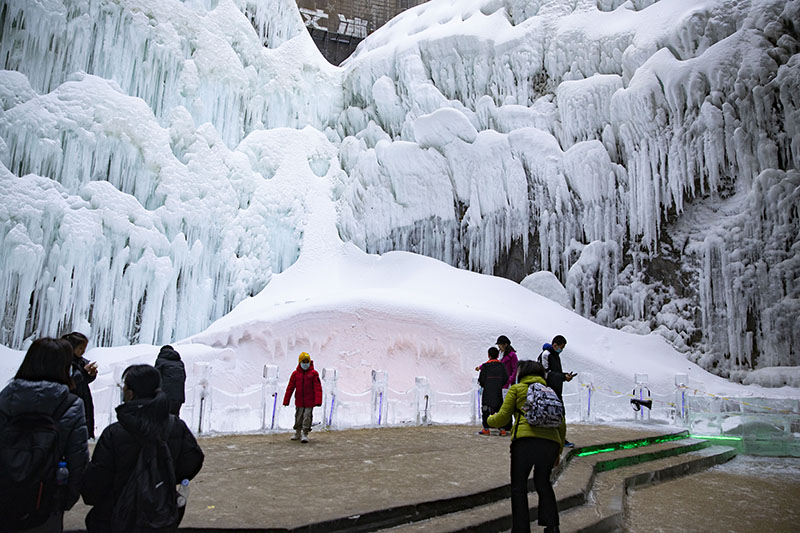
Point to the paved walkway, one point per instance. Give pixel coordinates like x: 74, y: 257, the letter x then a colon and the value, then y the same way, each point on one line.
x: 268, y: 481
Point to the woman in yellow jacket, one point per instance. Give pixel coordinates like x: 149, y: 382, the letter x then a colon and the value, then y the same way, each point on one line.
x: 536, y: 448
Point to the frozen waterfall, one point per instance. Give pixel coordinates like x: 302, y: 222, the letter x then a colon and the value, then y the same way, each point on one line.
x: 158, y: 159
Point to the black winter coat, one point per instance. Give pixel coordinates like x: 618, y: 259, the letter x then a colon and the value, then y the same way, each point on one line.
x: 22, y: 396
x: 493, y: 378
x: 173, y: 375
x: 82, y: 378
x: 118, y: 448
x: 551, y: 360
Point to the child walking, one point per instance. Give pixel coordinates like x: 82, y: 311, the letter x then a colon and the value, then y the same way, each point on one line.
x: 492, y: 378
x: 305, y: 381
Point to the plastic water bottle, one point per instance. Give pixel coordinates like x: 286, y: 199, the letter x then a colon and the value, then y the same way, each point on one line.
x: 183, y: 493
x: 62, y: 473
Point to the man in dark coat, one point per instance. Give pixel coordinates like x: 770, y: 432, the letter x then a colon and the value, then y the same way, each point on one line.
x: 550, y: 358
x: 144, y: 417
x: 493, y: 378
x: 173, y: 377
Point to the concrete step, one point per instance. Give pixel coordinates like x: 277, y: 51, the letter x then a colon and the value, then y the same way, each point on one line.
x: 575, y: 478
x: 605, y: 507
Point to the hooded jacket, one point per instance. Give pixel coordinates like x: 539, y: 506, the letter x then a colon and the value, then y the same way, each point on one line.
x: 308, y: 386
x: 22, y: 396
x: 513, y: 404
x: 551, y: 360
x: 118, y: 448
x: 493, y: 378
x: 173, y: 374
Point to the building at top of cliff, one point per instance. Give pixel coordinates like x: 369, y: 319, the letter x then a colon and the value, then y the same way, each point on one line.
x: 337, y: 26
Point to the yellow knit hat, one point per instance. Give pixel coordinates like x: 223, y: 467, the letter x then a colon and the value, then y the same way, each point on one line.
x: 304, y: 357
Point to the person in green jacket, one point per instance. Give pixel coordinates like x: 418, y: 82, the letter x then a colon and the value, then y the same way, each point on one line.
x: 536, y: 448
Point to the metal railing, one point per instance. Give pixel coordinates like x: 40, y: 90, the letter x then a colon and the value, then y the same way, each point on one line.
x: 759, y: 425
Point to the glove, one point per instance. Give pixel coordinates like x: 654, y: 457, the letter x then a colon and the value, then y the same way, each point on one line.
x: 286, y: 405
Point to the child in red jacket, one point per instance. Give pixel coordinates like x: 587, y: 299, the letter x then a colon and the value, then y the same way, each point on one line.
x: 305, y: 381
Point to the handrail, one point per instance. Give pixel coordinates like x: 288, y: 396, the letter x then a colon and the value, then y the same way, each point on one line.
x: 683, y: 406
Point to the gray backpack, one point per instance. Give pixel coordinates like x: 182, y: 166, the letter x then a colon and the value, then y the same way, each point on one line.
x: 542, y: 407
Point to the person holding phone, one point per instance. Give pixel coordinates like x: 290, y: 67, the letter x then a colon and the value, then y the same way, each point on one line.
x: 82, y: 372
x: 550, y: 358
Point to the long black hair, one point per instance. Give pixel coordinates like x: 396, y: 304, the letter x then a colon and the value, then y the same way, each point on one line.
x: 502, y: 339
x: 47, y: 359
x: 529, y: 368
x: 143, y: 380
x: 75, y: 339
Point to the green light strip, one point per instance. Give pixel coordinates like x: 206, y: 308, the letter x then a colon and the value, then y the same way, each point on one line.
x: 629, y: 445
x: 603, y: 450
x: 715, y: 437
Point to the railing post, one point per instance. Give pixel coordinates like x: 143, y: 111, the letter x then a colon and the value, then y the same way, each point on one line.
x: 681, y: 407
x: 269, y: 397
x: 329, y: 392
x: 475, y: 417
x: 380, y: 381
x: 585, y: 395
x: 643, y: 413
x: 202, y: 399
x: 423, y: 400
x: 116, y: 399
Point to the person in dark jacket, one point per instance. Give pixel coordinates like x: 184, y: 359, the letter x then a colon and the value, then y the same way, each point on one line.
x: 143, y: 417
x: 173, y: 377
x: 305, y: 381
x: 550, y: 358
x: 492, y: 378
x: 40, y: 386
x: 83, y: 372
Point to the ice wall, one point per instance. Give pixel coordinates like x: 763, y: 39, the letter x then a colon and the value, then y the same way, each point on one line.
x: 206, y: 56
x: 643, y: 151
x: 582, y: 133
x: 143, y: 161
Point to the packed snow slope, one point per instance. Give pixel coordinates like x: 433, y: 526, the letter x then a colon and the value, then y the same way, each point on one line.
x: 161, y: 160
x: 402, y: 313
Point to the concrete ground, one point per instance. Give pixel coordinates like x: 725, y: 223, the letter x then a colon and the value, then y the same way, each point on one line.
x: 268, y: 481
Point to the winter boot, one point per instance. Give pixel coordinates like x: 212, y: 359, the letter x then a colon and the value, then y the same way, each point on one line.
x: 296, y: 435
x: 304, y: 438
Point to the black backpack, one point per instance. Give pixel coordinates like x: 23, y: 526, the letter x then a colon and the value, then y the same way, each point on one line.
x: 29, y: 455
x: 149, y: 499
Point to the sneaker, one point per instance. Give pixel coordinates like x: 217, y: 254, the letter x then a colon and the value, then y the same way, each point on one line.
x: 568, y: 444
x: 304, y: 438
x: 296, y: 436
x: 503, y: 432
x: 484, y: 432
